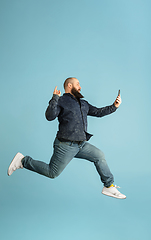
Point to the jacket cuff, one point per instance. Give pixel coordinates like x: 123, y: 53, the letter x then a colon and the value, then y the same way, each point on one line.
x: 54, y: 97
x: 114, y: 108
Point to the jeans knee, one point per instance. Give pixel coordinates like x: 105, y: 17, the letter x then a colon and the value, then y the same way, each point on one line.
x: 53, y: 175
x: 100, y: 157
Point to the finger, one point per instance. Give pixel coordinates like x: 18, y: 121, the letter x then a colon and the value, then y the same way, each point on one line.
x: 55, y: 88
x: 118, y: 98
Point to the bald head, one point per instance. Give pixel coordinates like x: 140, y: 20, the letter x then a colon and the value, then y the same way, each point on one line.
x: 70, y: 80
x: 72, y: 85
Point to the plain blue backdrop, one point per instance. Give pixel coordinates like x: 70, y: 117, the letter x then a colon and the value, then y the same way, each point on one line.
x: 106, y: 45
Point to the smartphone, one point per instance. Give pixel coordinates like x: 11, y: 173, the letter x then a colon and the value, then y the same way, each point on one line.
x: 118, y: 93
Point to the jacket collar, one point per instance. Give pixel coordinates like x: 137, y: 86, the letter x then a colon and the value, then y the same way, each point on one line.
x: 70, y: 95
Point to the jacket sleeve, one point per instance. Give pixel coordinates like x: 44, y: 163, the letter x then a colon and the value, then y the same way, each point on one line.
x: 100, y: 112
x: 53, y: 109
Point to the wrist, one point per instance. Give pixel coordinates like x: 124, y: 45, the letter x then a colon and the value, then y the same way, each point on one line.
x: 55, y: 96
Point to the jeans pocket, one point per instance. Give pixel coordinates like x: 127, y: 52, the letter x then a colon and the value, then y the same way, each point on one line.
x: 66, y: 143
x: 58, y: 142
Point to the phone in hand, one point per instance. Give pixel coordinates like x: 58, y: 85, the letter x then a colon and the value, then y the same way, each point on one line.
x: 118, y: 93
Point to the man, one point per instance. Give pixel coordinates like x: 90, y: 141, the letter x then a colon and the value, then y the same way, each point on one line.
x: 72, y: 138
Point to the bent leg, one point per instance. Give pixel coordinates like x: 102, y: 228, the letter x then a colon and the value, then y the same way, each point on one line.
x: 95, y: 155
x: 62, y: 155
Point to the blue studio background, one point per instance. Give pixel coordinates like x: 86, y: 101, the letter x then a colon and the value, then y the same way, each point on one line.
x: 106, y: 45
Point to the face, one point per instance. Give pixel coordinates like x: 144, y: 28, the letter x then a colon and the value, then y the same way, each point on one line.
x: 76, y: 85
x: 76, y: 88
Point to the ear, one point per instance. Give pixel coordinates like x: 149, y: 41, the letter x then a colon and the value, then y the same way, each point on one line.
x: 69, y: 85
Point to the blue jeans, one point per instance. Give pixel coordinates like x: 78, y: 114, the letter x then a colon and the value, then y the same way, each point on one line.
x: 63, y: 153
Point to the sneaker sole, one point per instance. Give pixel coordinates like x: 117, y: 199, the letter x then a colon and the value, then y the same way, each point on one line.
x: 11, y: 165
x: 112, y: 195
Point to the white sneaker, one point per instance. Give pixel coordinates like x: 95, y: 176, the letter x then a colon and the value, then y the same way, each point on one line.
x: 16, y: 163
x: 113, y: 192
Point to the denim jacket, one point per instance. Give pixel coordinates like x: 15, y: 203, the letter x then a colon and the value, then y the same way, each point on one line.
x: 72, y: 116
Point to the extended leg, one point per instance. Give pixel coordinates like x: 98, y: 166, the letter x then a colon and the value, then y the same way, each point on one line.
x: 95, y: 155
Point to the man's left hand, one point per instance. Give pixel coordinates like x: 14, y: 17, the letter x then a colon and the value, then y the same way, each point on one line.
x: 118, y: 101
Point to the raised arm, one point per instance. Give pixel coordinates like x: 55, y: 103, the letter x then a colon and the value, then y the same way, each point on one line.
x: 53, y: 109
x: 100, y: 112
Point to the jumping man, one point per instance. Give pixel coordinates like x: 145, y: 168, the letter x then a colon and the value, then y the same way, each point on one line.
x: 72, y: 137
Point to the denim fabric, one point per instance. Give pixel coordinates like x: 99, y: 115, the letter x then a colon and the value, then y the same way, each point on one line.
x: 63, y: 153
x: 72, y: 116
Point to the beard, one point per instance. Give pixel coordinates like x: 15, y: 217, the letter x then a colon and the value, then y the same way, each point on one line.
x: 76, y: 93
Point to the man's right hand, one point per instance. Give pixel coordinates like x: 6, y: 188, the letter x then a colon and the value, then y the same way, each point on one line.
x: 57, y: 92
